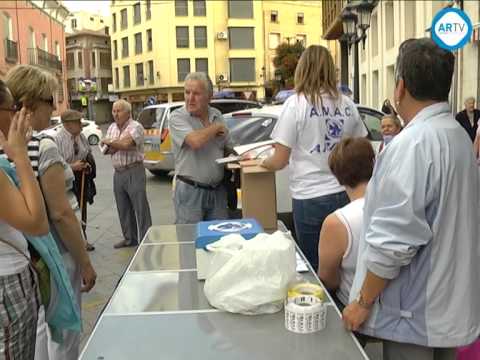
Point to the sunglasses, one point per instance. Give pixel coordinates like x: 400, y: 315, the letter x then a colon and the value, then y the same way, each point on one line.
x: 11, y: 109
x: 50, y: 101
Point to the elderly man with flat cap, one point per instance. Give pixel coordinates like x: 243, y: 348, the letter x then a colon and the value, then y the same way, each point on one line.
x: 75, y: 149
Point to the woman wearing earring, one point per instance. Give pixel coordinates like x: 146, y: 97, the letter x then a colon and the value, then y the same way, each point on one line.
x: 22, y: 210
x: 312, y: 122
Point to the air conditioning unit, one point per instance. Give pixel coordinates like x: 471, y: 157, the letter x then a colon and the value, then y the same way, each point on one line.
x: 222, y: 78
x: 222, y: 35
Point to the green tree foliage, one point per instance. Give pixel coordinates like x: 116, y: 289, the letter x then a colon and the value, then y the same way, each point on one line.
x: 285, y: 61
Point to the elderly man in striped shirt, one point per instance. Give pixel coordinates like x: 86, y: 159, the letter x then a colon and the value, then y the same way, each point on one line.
x: 124, y: 142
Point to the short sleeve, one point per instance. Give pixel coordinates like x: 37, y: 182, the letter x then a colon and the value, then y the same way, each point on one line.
x: 285, y: 130
x: 228, y: 138
x: 136, y: 132
x: 179, y: 128
x: 49, y: 155
x: 110, y: 130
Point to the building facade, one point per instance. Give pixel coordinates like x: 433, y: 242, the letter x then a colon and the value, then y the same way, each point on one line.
x: 155, y: 44
x: 391, y: 23
x: 89, y: 69
x: 84, y: 20
x: 32, y: 32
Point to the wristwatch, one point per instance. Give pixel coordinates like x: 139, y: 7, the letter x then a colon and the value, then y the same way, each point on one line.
x: 362, y: 302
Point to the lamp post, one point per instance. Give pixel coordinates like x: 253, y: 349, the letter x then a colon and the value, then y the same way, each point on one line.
x: 279, y: 78
x: 356, y: 20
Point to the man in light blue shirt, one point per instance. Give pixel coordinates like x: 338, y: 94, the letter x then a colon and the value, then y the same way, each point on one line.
x: 416, y: 285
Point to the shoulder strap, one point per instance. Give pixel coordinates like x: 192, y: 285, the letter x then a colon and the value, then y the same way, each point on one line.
x: 17, y: 250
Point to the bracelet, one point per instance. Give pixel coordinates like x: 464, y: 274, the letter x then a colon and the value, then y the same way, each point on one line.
x: 361, y: 301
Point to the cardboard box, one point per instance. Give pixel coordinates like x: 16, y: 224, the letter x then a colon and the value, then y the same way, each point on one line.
x: 259, y: 195
x: 210, y: 231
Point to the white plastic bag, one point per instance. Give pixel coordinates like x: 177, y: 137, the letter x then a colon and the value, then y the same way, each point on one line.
x: 250, y: 276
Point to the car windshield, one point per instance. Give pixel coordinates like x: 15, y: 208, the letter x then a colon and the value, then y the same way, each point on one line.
x: 151, y: 118
x: 250, y: 129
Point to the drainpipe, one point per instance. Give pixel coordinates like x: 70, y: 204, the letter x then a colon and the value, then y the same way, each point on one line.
x: 18, y: 34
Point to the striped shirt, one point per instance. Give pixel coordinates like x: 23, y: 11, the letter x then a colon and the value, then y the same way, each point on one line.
x: 65, y: 142
x: 123, y: 158
x: 33, y: 154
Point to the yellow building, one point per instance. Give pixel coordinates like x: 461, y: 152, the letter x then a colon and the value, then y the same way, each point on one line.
x: 155, y: 44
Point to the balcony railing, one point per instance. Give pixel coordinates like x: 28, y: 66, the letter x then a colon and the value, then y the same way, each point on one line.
x: 11, y: 51
x: 43, y: 58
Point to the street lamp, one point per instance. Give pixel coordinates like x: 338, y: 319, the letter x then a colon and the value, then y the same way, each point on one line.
x: 279, y: 78
x: 356, y: 20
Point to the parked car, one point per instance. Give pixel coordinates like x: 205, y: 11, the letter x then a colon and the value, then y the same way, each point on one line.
x: 155, y: 120
x: 257, y: 124
x: 91, y: 130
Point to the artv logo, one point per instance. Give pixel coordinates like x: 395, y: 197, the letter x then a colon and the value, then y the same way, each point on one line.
x: 451, y: 29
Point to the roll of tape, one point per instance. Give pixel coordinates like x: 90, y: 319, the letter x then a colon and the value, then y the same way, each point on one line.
x: 307, y: 289
x: 305, y: 314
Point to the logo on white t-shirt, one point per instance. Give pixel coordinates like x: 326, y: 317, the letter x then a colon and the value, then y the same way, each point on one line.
x: 334, y: 128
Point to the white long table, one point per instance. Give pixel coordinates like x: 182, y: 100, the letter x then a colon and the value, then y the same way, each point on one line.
x: 159, y: 311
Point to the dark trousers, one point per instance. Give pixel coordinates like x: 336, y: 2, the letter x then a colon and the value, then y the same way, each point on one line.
x: 130, y: 189
x: 308, y: 216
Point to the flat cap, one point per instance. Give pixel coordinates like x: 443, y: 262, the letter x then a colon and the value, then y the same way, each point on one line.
x: 71, y: 115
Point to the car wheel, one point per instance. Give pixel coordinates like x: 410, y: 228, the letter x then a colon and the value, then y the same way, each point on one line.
x: 93, y: 139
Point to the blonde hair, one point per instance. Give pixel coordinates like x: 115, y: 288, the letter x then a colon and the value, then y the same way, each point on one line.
x: 124, y: 104
x: 315, y: 74
x: 29, y: 84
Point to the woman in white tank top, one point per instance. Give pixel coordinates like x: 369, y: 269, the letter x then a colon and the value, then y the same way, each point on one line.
x: 22, y: 210
x: 351, y: 162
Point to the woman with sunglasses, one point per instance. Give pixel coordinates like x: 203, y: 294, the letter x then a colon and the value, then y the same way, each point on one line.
x: 22, y: 210
x: 33, y: 89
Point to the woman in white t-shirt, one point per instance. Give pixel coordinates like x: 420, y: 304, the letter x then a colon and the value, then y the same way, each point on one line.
x: 312, y: 122
x: 22, y: 210
x: 351, y: 162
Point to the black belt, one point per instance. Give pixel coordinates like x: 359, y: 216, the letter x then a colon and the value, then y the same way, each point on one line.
x: 196, y: 183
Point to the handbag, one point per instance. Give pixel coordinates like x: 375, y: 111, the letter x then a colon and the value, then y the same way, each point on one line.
x: 38, y: 265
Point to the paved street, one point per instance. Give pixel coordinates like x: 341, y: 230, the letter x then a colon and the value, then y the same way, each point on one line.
x: 104, y: 230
